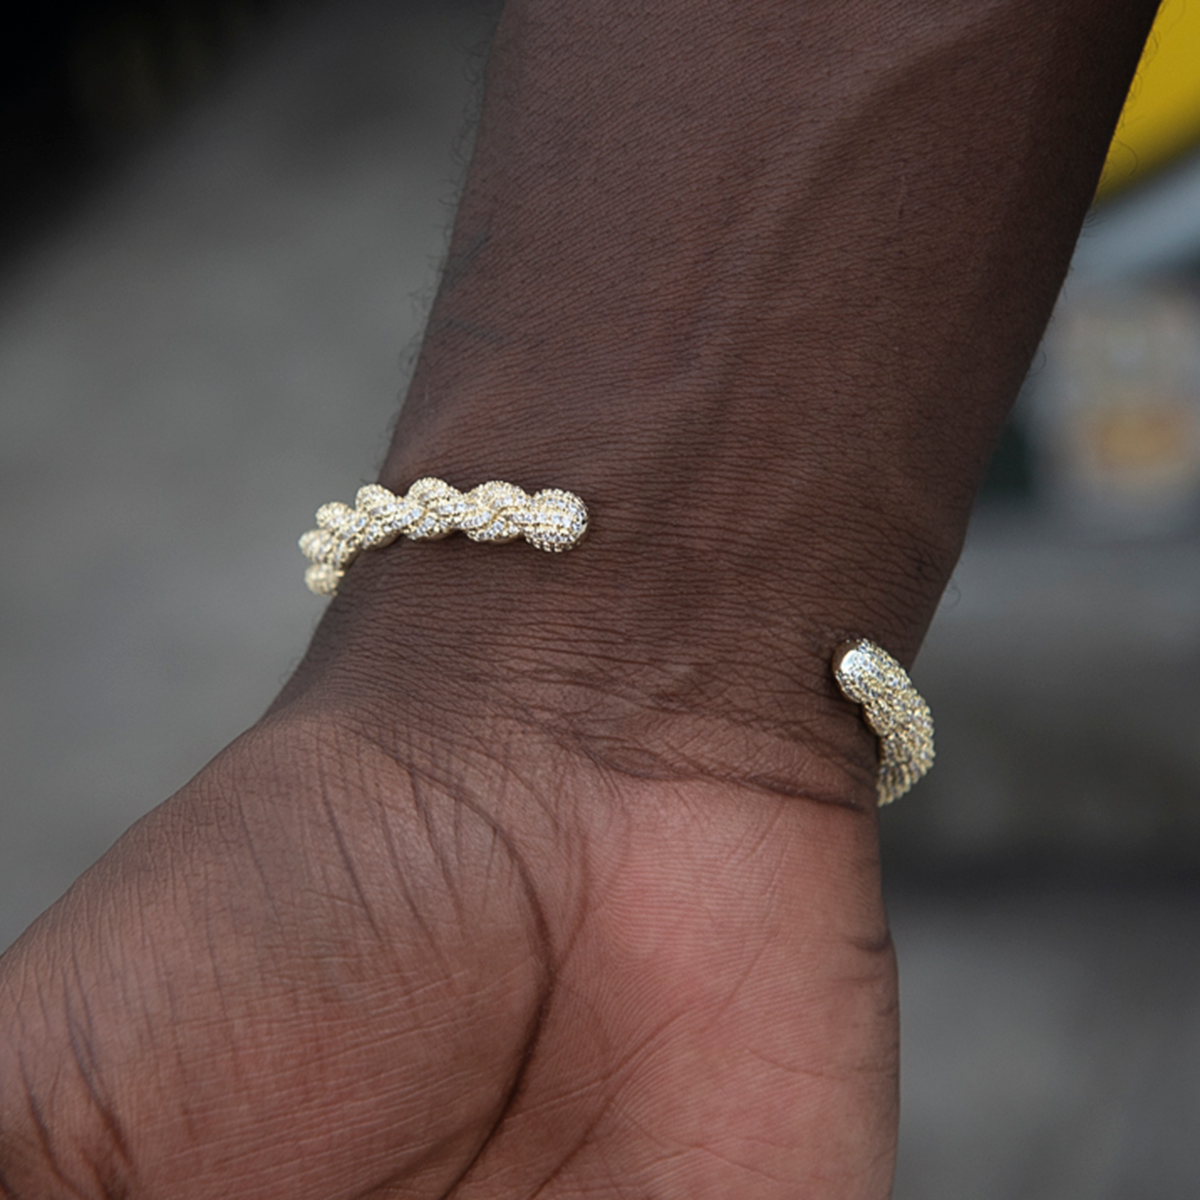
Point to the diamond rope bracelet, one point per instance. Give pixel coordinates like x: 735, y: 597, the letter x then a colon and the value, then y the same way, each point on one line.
x: 431, y: 509
x: 555, y: 520
x: 893, y: 708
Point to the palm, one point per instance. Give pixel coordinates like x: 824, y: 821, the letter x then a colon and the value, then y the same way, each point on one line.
x: 316, y: 973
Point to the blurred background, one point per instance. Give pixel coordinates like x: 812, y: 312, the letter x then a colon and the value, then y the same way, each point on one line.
x: 221, y: 229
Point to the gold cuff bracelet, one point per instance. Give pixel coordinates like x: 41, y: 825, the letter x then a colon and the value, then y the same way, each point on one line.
x: 893, y: 708
x: 495, y: 512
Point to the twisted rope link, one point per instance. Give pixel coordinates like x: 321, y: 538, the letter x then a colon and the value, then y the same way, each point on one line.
x: 893, y: 708
x: 431, y: 509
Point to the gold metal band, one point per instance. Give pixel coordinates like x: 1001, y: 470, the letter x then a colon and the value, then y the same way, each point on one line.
x: 495, y: 512
x: 893, y: 708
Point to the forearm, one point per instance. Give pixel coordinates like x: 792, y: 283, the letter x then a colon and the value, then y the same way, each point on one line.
x: 760, y: 282
x: 783, y: 203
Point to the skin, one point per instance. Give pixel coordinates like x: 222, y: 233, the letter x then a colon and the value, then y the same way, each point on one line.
x: 558, y: 875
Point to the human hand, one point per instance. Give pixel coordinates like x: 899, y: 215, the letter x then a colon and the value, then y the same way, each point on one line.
x: 443, y: 946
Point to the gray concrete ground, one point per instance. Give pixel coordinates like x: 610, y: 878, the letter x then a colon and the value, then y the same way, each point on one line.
x: 212, y: 342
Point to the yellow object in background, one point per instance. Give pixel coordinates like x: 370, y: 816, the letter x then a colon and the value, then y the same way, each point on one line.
x: 1161, y: 118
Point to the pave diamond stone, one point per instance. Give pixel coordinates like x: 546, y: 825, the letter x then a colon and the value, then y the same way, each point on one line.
x: 440, y: 504
x: 322, y: 579
x: 894, y: 710
x: 334, y: 516
x: 372, y: 498
x: 554, y: 520
x: 494, y: 509
x: 384, y: 522
x: 317, y: 545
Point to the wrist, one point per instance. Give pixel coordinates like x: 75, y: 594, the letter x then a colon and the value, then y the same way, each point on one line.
x: 592, y: 657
